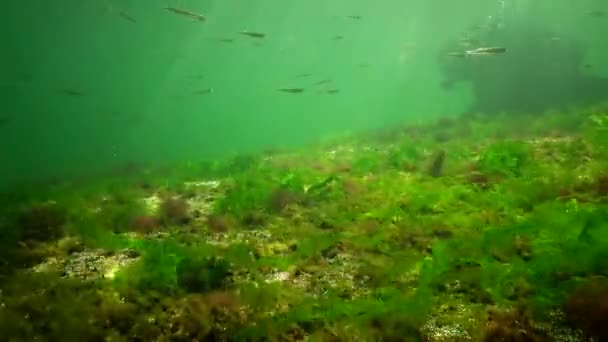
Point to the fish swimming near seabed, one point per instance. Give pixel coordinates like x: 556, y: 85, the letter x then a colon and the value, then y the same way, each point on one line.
x: 253, y: 34
x: 487, y: 51
x: 127, y: 17
x: 597, y: 13
x: 303, y: 75
x: 72, y: 92
x: 482, y: 51
x: 203, y: 91
x: 292, y: 90
x: 322, y: 82
x: 188, y: 14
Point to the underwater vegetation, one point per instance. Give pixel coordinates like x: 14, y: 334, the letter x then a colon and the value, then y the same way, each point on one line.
x: 417, y: 233
x: 504, y: 158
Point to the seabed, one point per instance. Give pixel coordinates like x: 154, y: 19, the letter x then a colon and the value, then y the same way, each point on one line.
x: 475, y: 228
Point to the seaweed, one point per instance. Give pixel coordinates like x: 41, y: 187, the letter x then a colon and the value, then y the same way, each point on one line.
x: 506, y: 158
x: 118, y: 210
x: 202, y: 274
x: 155, y: 271
x: 586, y: 308
x: 174, y: 210
x: 248, y: 194
x: 359, y: 243
x: 42, y: 221
x: 405, y: 157
x: 511, y: 325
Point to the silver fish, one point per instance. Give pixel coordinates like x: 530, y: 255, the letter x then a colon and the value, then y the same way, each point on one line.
x: 185, y: 13
x: 482, y: 51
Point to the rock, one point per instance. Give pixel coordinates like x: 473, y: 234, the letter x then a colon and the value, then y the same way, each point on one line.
x: 89, y: 264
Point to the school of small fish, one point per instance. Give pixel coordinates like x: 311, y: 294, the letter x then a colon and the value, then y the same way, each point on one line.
x: 470, y: 46
x: 258, y: 36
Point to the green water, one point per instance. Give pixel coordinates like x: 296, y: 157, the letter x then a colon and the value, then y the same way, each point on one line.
x: 138, y: 79
x: 304, y: 171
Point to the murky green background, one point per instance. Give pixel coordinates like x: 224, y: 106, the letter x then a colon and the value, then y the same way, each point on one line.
x: 139, y: 79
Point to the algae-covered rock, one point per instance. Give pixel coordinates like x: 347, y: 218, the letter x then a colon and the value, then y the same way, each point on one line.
x: 89, y: 264
x: 202, y: 274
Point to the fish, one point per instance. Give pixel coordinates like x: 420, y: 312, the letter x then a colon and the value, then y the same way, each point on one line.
x: 487, y: 51
x: 257, y: 35
x: 354, y: 17
x: 127, y: 17
x: 338, y: 38
x: 597, y: 13
x: 482, y: 51
x: 203, y: 91
x: 303, y: 75
x: 227, y: 40
x: 322, y: 82
x: 436, y: 166
x: 73, y: 92
x: 188, y: 14
x: 363, y: 65
x: 292, y: 90
x: 332, y: 91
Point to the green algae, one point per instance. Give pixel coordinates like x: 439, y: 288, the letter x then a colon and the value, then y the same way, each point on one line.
x: 350, y: 240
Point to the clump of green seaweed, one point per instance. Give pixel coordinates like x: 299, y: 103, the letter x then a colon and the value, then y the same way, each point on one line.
x: 506, y: 158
